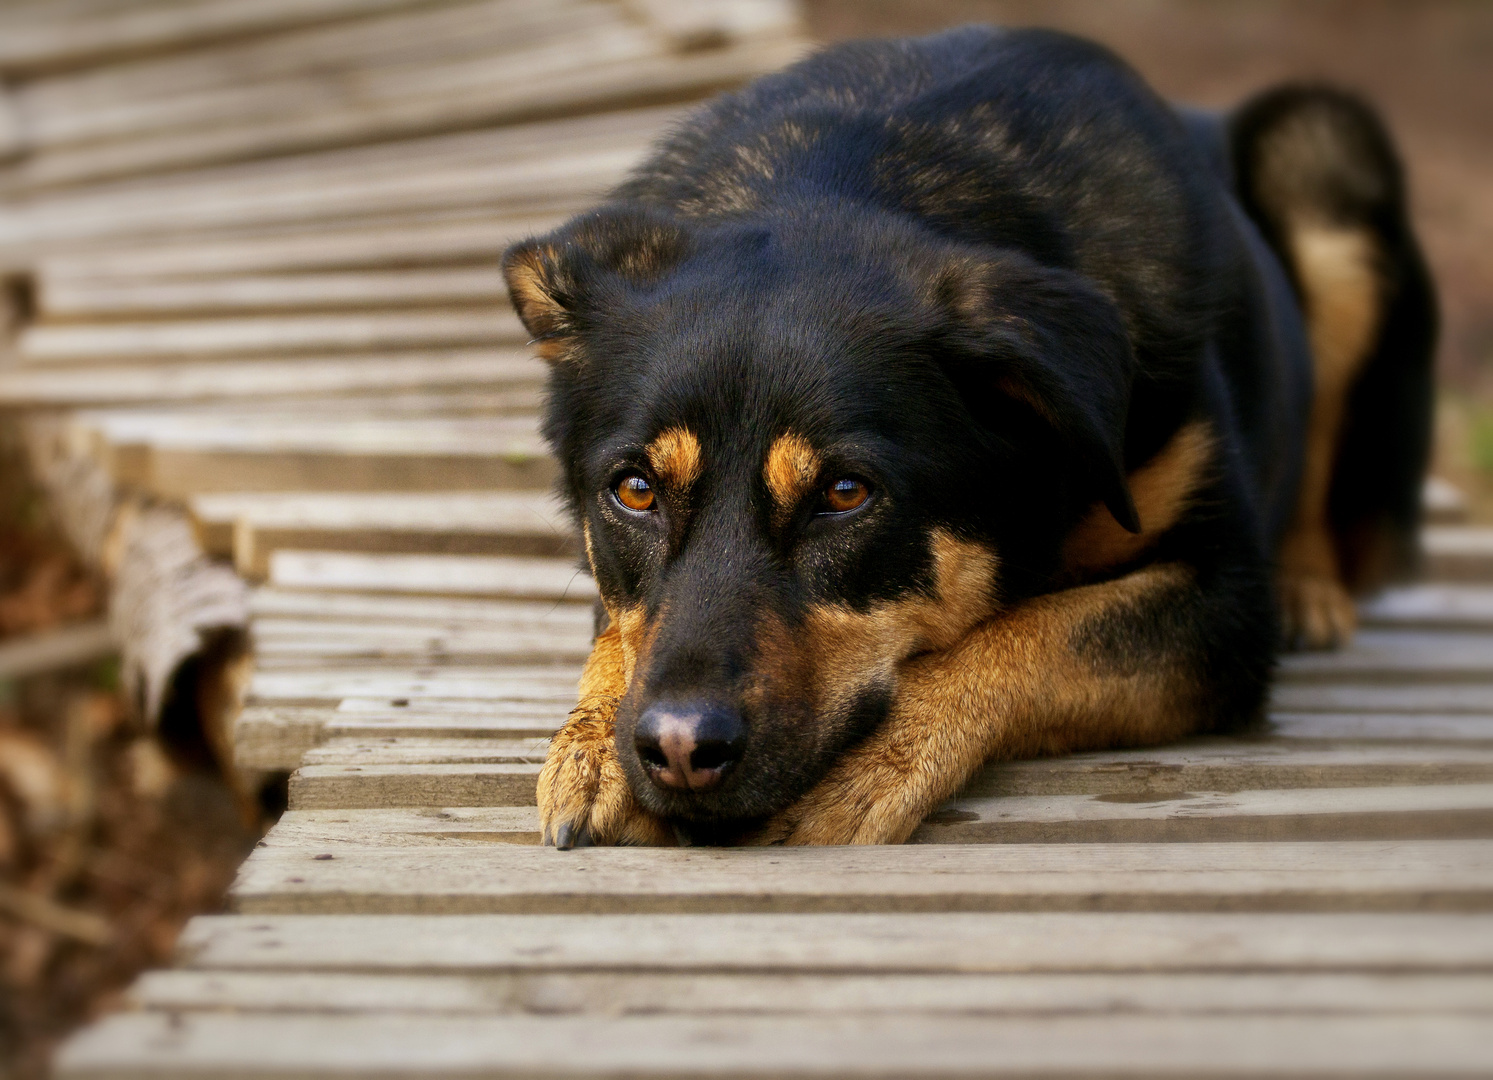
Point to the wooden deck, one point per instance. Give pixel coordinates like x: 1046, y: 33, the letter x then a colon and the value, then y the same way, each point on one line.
x: 252, y: 248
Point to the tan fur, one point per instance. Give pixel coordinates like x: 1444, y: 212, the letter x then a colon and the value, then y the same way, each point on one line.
x: 791, y: 471
x: 1162, y: 489
x: 1016, y: 686
x: 851, y: 650
x: 1342, y: 296
x: 676, y: 458
x: 530, y: 289
x: 582, y: 783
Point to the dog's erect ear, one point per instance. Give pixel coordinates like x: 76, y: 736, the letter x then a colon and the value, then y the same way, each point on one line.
x: 556, y: 281
x: 1051, y: 340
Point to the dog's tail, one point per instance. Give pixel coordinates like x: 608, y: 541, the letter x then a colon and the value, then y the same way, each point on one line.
x: 1317, y: 171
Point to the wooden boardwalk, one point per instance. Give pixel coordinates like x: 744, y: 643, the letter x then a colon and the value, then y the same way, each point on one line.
x: 252, y: 250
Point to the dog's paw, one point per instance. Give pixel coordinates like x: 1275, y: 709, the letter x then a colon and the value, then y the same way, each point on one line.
x: 1316, y: 612
x: 584, y: 797
x: 858, y: 803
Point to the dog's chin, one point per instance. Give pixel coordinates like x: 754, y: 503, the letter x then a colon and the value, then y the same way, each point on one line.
x: 721, y: 816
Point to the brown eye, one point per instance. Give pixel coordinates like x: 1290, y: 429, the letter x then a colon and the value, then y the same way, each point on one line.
x: 845, y: 495
x: 634, y: 492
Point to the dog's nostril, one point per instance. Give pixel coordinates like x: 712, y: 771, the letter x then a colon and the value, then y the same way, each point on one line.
x: 651, y: 755
x: 712, y: 755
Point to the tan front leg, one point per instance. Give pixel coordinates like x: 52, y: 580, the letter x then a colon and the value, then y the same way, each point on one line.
x: 1340, y: 292
x: 584, y: 797
x: 1040, y: 679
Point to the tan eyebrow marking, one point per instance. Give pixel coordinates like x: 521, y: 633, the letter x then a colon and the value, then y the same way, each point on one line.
x: 790, y: 473
x: 675, y: 456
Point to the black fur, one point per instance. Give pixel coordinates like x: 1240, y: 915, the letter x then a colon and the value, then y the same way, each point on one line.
x: 991, y: 272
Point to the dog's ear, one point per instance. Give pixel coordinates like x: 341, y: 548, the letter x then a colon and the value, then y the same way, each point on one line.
x: 557, y: 282
x: 1051, y: 340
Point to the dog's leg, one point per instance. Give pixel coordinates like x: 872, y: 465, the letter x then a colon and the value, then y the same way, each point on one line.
x: 1114, y: 664
x: 1341, y: 296
x: 584, y: 798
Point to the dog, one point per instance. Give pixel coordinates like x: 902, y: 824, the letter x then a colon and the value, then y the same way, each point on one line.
x: 950, y: 399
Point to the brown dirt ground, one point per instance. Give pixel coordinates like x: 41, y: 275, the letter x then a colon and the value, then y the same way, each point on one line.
x: 109, y: 841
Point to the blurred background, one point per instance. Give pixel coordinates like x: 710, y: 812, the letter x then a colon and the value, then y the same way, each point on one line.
x: 187, y: 228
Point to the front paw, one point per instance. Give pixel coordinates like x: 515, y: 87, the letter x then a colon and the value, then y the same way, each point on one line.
x: 1316, y: 612
x: 584, y: 797
x: 853, y: 805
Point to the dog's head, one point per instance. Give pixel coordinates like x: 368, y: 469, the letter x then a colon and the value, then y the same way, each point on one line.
x: 800, y: 454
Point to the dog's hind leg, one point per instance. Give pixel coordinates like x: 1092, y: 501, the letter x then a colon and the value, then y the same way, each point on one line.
x: 1145, y: 658
x: 1318, y: 173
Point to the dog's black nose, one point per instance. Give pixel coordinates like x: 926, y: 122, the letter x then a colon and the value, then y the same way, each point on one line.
x: 689, y: 745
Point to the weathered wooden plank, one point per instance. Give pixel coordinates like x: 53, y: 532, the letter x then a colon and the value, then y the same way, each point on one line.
x: 277, y: 737
x: 442, y: 575
x: 188, y: 454
x: 431, y: 770
x: 1425, y: 875
x: 269, y: 602
x: 416, y: 750
x: 401, y: 827
x: 74, y: 297
x: 617, y: 993
x: 1395, y: 813
x: 257, y: 1045
x: 1229, y: 765
x: 329, y: 640
x: 1357, y: 813
x: 1461, y: 553
x: 510, y: 783
x: 216, y: 83
x: 264, y: 335
x: 1444, y: 698
x: 1432, y: 607
x: 590, y: 69
x: 1381, y: 727
x: 1377, y: 655
x: 409, y: 241
x: 255, y: 524
x: 967, y: 942
x: 258, y: 379
x: 331, y: 684
x: 274, y: 738
x: 1443, y: 502
x: 48, y: 39
x: 529, y: 169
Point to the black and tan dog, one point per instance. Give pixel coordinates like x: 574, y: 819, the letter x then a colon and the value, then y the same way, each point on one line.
x: 951, y: 399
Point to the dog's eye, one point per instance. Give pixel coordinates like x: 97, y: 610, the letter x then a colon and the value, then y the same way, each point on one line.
x: 845, y: 495
x: 634, y: 492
